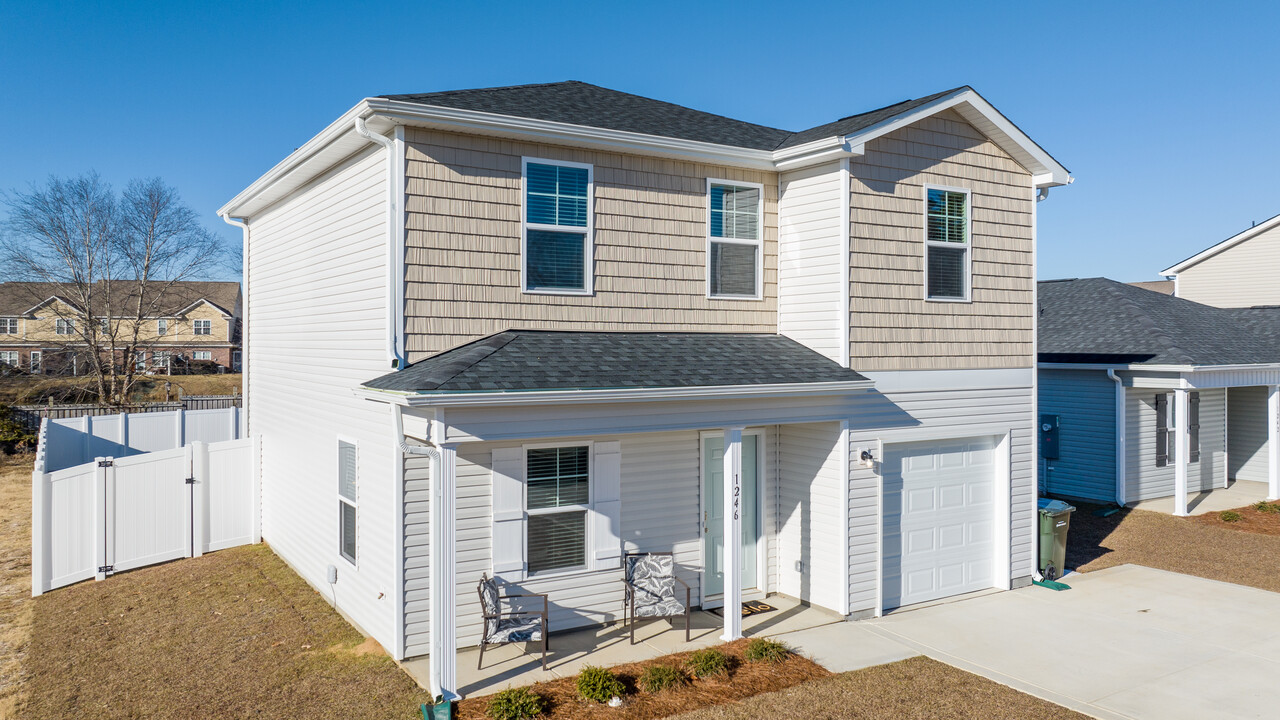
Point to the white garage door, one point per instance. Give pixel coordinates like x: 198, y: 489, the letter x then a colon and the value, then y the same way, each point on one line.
x: 938, y: 519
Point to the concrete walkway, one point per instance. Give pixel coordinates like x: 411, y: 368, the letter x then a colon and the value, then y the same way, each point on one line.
x: 1240, y: 493
x: 1126, y: 642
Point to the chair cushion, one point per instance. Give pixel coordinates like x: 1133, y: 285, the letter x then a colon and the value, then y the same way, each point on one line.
x: 519, y: 629
x: 666, y: 607
x: 489, y: 601
x: 653, y: 579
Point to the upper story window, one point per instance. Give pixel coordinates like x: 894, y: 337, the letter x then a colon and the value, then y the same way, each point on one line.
x: 104, y: 326
x: 162, y: 326
x: 65, y: 326
x: 202, y: 327
x: 557, y: 227
x: 9, y: 326
x: 558, y: 498
x: 734, y: 246
x: 947, y: 247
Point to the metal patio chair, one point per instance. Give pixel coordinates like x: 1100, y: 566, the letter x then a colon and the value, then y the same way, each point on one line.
x: 510, y: 626
x: 650, y: 582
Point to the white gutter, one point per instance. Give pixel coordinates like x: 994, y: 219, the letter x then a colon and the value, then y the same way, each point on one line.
x: 243, y: 224
x: 395, y: 240
x: 1138, y: 367
x: 537, y: 397
x: 1121, y: 491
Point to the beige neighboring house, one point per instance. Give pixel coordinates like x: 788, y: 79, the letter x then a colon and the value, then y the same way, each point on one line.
x: 520, y: 332
x: 1237, y: 272
x: 198, y: 322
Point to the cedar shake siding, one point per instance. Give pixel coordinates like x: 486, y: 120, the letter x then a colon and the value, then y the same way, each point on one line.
x: 892, y: 326
x: 463, y: 224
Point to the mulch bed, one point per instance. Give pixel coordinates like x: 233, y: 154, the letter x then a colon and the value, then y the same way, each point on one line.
x: 745, y: 680
x: 915, y: 689
x: 1251, y: 520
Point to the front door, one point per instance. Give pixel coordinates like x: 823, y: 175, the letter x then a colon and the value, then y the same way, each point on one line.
x: 713, y: 513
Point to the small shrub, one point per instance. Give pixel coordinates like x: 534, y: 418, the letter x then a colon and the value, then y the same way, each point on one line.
x: 599, y: 685
x: 657, y: 678
x: 515, y: 704
x: 770, y: 651
x: 708, y: 663
x: 1229, y: 516
x: 1266, y: 507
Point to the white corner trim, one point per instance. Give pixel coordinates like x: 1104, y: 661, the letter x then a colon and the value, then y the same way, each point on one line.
x: 846, y: 260
x: 1227, y: 244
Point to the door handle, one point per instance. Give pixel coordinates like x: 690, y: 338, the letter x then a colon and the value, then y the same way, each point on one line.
x: 705, y: 528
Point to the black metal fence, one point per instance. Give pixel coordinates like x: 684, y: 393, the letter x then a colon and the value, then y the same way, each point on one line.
x: 31, y: 415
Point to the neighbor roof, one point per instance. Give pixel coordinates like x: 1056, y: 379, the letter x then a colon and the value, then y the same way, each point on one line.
x: 525, y: 360
x: 1096, y: 320
x: 17, y: 298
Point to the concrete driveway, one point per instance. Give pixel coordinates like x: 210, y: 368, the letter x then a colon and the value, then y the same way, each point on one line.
x: 1126, y: 642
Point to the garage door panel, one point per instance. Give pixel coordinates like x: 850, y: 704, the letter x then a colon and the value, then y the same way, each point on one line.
x: 939, y: 520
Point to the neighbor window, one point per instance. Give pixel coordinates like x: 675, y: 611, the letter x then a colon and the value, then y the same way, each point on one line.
x: 9, y: 357
x: 734, y: 248
x: 104, y: 326
x: 65, y: 326
x: 347, y: 500
x: 9, y: 326
x: 557, y: 227
x: 162, y: 326
x: 557, y: 496
x: 160, y: 358
x: 947, y: 244
x: 202, y: 327
x: 202, y: 355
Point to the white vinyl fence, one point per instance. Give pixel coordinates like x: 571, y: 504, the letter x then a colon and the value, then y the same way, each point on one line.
x: 118, y: 513
x: 67, y: 442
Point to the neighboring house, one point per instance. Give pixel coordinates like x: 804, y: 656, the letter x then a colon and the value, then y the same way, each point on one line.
x: 1165, y: 287
x: 520, y: 331
x: 197, y: 321
x: 1237, y: 272
x: 1154, y: 395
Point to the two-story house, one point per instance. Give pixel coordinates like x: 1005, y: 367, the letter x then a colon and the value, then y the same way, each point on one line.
x: 522, y: 331
x: 1237, y: 272
x: 42, y: 326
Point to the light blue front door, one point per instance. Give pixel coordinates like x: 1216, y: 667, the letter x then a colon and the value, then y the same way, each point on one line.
x: 713, y: 513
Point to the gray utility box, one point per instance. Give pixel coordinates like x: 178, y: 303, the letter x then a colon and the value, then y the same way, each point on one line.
x: 1055, y: 520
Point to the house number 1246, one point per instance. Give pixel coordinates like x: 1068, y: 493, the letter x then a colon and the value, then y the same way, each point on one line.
x: 737, y: 491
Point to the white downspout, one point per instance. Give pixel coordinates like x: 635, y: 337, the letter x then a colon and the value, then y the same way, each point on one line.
x: 1121, y: 453
x: 395, y: 244
x: 243, y: 224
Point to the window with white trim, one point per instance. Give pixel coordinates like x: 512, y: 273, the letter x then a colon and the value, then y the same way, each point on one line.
x: 9, y: 326
x: 947, y: 247
x: 557, y: 227
x: 734, y: 247
x: 558, y: 502
x: 202, y: 327
x: 162, y: 326
x: 202, y: 355
x: 65, y: 326
x: 347, y: 500
x: 104, y: 326
x: 9, y: 357
x: 160, y: 358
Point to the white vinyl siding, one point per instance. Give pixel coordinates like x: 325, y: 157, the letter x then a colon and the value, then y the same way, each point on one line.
x: 1085, y: 401
x: 316, y: 329
x: 1247, y: 433
x: 735, y: 246
x: 1143, y: 479
x: 810, y: 258
x: 1243, y: 275
x: 810, y: 512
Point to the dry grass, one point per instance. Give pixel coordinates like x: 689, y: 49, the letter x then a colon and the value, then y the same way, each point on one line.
x: 234, y: 634
x: 914, y: 689
x: 37, y: 389
x: 16, y: 604
x: 1203, y: 548
x: 745, y: 679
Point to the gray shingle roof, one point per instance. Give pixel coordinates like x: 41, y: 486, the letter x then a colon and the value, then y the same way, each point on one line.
x: 18, y: 297
x: 581, y: 103
x: 1101, y: 320
x: 522, y: 360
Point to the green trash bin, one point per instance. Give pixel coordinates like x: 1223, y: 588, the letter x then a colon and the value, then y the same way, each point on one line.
x: 1055, y: 520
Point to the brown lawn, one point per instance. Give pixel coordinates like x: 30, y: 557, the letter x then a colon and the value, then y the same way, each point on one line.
x: 38, y: 389
x: 15, y: 578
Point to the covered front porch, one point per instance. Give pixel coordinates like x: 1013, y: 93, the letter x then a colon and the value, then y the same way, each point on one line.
x: 608, y: 645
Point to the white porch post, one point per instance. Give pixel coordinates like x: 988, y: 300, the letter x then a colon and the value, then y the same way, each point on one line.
x: 1273, y: 443
x: 732, y: 534
x: 1182, y: 443
x: 443, y: 619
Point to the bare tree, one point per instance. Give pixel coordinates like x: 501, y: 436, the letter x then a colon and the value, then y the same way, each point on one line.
x: 115, y: 260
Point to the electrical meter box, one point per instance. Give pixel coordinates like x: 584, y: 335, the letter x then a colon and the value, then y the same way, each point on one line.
x: 1049, y: 437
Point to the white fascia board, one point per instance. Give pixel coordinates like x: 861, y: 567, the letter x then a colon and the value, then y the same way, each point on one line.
x: 46, y: 301
x: 1046, y: 172
x: 560, y: 397
x: 1227, y: 244
x: 547, y: 131
x: 1157, y: 368
x: 195, y: 304
x: 816, y: 153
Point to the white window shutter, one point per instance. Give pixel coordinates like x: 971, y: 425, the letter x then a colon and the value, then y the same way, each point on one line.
x: 606, y: 530
x: 508, y: 514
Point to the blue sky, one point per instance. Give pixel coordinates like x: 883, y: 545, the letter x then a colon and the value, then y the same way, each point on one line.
x: 1164, y: 112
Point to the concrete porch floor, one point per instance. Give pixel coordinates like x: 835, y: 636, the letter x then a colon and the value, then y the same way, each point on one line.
x: 607, y: 645
x: 1238, y: 494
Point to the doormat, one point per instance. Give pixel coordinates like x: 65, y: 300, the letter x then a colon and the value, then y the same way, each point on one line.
x: 749, y: 607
